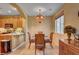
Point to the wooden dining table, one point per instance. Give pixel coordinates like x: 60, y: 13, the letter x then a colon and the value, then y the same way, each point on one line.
x: 45, y: 37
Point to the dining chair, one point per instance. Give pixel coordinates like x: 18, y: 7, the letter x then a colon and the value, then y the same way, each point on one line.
x: 50, y: 39
x: 39, y: 43
x: 30, y: 39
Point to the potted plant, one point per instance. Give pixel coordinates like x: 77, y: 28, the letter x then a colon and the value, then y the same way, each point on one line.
x: 69, y: 30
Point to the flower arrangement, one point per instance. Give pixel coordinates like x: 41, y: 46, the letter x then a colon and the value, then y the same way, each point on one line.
x: 69, y: 30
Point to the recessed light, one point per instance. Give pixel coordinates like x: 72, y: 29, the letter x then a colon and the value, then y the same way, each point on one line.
x: 13, y: 8
x: 50, y: 9
x: 37, y: 9
x: 9, y: 11
x: 0, y: 12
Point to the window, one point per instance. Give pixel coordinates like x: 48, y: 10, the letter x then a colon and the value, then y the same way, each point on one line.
x: 59, y: 25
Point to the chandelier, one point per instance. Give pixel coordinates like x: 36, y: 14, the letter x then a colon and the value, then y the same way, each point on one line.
x: 39, y: 17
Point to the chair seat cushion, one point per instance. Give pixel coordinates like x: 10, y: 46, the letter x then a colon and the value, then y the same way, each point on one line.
x: 48, y: 40
x: 40, y: 46
x: 32, y: 40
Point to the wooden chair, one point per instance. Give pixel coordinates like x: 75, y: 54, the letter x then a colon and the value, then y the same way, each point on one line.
x: 39, y: 42
x: 30, y: 40
x: 50, y: 39
x: 5, y: 43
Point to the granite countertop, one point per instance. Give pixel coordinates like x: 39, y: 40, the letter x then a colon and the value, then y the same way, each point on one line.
x: 14, y: 33
x: 71, y: 44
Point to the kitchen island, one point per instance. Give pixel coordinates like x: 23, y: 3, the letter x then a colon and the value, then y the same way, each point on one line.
x: 17, y: 39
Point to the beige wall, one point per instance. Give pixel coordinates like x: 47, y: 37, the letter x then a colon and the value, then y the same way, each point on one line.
x: 56, y: 36
x: 53, y: 23
x: 71, y: 15
x: 35, y: 27
x: 59, y: 12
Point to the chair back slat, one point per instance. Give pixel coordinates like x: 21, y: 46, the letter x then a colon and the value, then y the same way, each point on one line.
x: 29, y: 36
x: 51, y: 36
x: 30, y: 40
x: 39, y: 42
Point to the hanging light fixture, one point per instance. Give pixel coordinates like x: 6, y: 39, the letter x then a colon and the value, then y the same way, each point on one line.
x: 39, y: 17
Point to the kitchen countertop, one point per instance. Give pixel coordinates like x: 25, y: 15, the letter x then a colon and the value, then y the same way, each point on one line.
x: 14, y: 33
x: 71, y: 44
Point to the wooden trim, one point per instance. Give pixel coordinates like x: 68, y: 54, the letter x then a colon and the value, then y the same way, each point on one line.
x: 19, y: 9
x: 60, y: 14
x: 67, y: 49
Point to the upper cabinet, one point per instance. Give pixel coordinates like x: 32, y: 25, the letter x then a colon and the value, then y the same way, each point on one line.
x: 17, y: 21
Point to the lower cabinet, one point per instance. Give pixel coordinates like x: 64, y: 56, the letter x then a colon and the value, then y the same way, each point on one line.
x: 67, y: 49
x: 5, y: 46
x: 62, y: 48
x: 17, y: 40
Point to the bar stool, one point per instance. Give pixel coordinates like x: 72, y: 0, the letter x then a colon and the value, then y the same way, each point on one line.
x: 5, y: 46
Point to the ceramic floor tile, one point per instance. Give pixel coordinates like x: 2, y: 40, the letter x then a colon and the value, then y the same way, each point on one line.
x: 24, y: 50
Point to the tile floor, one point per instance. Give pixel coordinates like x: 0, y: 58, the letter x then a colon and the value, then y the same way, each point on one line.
x: 24, y: 50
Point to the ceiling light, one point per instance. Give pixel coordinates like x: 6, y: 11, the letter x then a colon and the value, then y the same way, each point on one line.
x: 39, y: 17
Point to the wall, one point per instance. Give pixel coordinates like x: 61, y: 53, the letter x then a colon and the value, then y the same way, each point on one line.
x: 71, y: 15
x: 57, y: 14
x: 35, y: 27
x: 56, y: 36
x: 52, y: 24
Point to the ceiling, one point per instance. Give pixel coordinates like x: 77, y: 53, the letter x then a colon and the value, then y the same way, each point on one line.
x: 48, y: 8
x: 7, y: 9
x: 31, y: 9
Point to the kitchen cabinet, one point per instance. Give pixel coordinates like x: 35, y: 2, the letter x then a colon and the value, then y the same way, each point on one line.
x: 67, y: 49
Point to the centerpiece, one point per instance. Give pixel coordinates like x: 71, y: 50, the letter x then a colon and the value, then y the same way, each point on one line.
x: 69, y: 30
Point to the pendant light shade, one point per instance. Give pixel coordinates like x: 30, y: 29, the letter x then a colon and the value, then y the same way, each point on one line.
x: 39, y: 17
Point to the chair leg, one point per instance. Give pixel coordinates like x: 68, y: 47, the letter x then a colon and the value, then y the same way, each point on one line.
x: 51, y: 45
x: 29, y: 45
x: 43, y: 51
x: 35, y: 51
